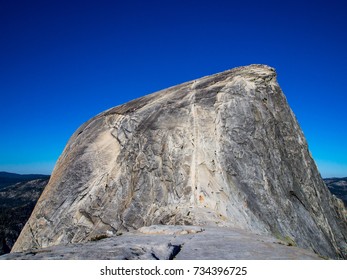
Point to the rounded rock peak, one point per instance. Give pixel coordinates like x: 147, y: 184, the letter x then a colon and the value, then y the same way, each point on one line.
x: 222, y: 150
x: 260, y: 70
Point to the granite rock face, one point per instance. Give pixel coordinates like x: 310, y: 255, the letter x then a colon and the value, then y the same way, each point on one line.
x: 224, y: 150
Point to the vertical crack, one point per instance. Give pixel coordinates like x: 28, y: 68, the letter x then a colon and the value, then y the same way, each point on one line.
x: 176, y: 249
x: 34, y: 237
x: 193, y: 170
x: 154, y: 256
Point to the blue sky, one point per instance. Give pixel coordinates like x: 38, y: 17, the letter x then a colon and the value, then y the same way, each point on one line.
x: 62, y: 62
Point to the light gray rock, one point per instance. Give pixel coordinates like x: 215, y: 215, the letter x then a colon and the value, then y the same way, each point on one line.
x: 223, y: 150
x: 174, y: 242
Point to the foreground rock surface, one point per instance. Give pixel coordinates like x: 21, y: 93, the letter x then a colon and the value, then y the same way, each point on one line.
x: 222, y: 150
x: 175, y: 242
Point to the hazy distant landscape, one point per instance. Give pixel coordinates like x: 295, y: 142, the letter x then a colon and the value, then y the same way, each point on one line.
x: 338, y: 187
x: 7, y: 178
x: 18, y: 196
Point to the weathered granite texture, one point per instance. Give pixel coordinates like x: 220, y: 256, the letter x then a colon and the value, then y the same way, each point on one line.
x: 174, y: 243
x: 223, y: 150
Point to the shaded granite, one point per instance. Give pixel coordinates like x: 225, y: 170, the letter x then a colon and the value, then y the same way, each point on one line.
x: 223, y: 150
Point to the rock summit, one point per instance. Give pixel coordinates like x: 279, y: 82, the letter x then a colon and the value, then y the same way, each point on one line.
x: 224, y: 150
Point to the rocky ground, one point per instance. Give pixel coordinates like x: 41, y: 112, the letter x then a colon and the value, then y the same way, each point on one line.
x: 174, y: 242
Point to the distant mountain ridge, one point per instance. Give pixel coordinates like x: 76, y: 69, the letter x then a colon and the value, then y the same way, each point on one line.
x: 338, y: 187
x: 17, y: 201
x: 8, y: 178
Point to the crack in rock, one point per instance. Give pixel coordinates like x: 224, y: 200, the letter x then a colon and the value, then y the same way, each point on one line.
x: 176, y: 249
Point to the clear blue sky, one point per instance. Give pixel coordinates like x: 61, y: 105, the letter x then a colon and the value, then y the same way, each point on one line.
x: 62, y: 62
